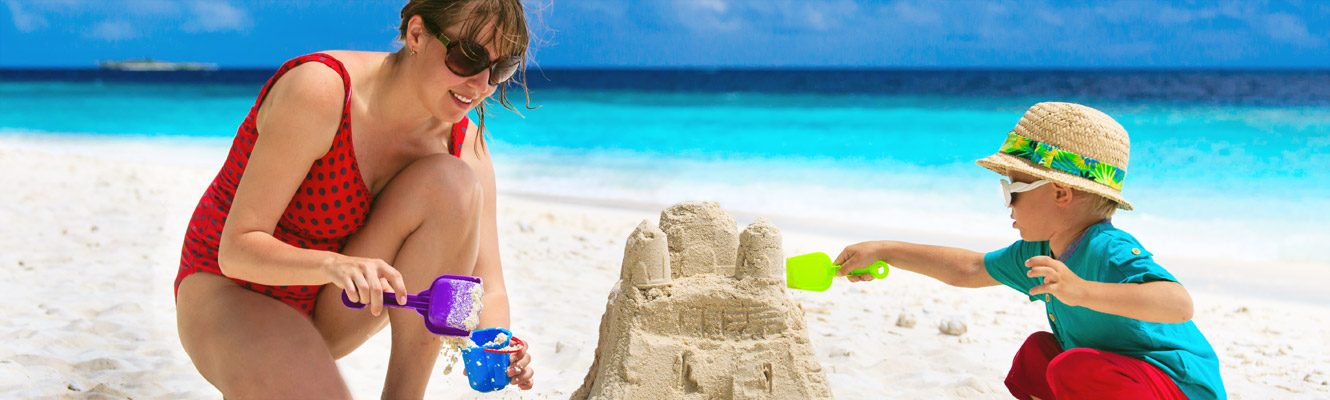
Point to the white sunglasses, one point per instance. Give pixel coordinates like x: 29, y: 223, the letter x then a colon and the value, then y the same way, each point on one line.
x: 1009, y: 189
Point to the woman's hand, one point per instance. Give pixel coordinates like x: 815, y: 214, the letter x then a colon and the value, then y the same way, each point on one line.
x: 519, y: 369
x: 858, y: 256
x: 365, y: 280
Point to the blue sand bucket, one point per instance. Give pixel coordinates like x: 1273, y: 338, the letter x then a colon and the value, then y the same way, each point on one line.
x: 487, y: 365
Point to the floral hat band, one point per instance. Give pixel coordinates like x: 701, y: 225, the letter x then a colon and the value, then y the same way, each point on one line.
x: 1052, y: 157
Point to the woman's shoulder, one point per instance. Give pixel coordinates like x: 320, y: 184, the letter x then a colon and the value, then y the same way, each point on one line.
x: 311, y: 84
x: 306, y: 104
x: 355, y: 58
x: 358, y: 64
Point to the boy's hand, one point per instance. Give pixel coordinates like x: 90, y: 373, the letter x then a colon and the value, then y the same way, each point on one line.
x: 1058, y: 279
x: 857, y: 256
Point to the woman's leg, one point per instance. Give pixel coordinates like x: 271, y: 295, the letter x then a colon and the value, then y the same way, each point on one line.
x: 252, y: 346
x: 424, y: 223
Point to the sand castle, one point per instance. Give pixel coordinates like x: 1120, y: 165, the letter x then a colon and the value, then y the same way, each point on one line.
x: 700, y: 311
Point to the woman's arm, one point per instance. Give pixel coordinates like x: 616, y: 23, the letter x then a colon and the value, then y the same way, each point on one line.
x: 488, y: 267
x: 298, y: 121
x: 495, y: 311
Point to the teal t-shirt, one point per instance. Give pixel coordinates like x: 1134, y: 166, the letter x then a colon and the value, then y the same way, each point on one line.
x: 1106, y: 254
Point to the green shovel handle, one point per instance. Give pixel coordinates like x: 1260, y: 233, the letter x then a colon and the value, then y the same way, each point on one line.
x: 878, y: 270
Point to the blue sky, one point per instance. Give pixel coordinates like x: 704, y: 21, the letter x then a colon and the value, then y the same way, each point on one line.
x: 702, y: 33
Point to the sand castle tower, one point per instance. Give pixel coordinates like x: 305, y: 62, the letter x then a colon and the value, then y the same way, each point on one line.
x: 702, y: 238
x: 701, y: 312
x: 646, y: 258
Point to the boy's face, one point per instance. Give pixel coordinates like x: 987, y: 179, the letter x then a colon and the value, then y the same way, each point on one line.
x: 1033, y: 212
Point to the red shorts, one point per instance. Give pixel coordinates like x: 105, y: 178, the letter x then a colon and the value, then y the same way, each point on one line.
x: 1041, y: 369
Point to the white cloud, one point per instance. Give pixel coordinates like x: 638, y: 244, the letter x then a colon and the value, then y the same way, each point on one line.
x: 715, y: 6
x: 824, y: 16
x: 1288, y: 28
x: 780, y: 16
x: 215, y: 16
x: 1282, y: 27
x: 1173, y: 15
x: 24, y: 20
x: 1129, y: 12
x: 708, y: 16
x: 817, y: 20
x: 153, y: 7
x: 915, y: 12
x: 1049, y: 17
x: 122, y: 19
x: 112, y: 31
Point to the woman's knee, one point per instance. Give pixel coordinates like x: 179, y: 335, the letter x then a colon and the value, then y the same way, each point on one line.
x: 441, y: 178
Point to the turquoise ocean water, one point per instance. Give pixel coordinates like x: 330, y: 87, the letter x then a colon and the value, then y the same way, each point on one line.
x: 1237, y: 179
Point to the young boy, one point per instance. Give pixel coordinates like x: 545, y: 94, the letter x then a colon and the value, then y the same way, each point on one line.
x: 1121, y: 324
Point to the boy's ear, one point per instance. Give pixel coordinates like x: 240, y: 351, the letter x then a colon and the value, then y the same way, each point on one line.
x: 1062, y: 195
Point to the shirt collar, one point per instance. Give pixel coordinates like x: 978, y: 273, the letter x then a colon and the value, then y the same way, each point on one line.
x: 1076, y: 244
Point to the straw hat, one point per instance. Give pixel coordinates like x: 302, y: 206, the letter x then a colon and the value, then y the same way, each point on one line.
x: 1070, y: 144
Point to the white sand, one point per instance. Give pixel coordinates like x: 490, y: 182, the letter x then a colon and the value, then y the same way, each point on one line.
x: 91, y: 246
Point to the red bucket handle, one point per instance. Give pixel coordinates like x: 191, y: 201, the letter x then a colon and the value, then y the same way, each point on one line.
x: 514, y: 341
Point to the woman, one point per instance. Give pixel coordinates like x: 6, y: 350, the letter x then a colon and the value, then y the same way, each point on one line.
x: 355, y: 172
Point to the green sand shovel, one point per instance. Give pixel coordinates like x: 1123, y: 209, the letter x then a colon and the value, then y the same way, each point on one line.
x: 814, y: 271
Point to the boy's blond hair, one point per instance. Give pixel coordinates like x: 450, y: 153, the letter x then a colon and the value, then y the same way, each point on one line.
x: 1096, y: 205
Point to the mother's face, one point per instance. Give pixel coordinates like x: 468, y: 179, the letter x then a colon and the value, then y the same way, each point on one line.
x: 447, y: 95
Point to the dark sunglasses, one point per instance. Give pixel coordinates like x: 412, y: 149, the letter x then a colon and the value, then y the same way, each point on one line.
x: 473, y: 58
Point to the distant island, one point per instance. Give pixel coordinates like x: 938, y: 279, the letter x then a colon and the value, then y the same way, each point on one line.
x: 148, y: 64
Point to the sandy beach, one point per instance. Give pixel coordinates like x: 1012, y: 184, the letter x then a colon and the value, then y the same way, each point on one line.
x: 91, y: 245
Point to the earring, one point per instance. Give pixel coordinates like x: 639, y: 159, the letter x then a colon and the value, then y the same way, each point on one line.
x: 413, y: 51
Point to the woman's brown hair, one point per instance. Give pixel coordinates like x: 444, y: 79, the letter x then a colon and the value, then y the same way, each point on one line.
x: 509, y: 35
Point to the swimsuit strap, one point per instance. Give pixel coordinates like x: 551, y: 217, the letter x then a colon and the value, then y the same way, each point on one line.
x: 459, y: 136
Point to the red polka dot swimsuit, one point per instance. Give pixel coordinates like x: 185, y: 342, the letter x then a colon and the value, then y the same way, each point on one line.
x: 331, y: 204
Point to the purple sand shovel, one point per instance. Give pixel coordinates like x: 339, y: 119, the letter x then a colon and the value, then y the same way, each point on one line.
x: 445, y: 305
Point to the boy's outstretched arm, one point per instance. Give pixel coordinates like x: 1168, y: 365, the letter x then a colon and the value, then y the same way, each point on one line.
x: 1159, y: 301
x: 953, y: 266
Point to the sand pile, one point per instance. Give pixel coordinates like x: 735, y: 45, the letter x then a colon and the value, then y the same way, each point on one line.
x: 701, y: 311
